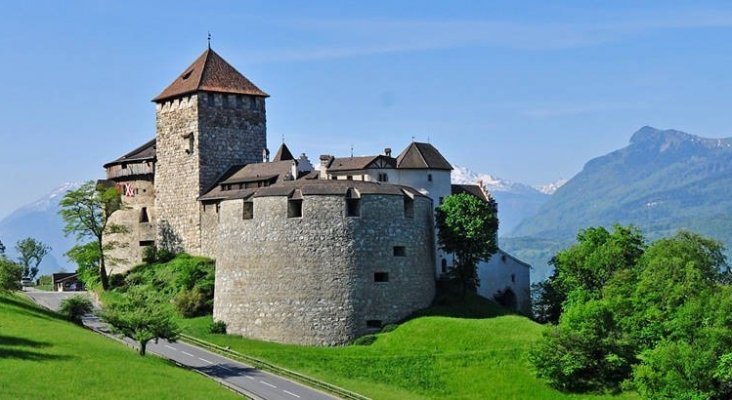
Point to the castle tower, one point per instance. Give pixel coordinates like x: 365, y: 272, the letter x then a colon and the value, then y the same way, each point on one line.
x: 208, y: 120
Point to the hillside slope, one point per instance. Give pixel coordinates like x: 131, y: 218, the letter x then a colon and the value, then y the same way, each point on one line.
x: 664, y: 180
x: 435, y: 356
x: 45, y: 357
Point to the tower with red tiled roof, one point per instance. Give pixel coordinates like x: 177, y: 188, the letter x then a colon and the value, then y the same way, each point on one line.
x: 210, y: 118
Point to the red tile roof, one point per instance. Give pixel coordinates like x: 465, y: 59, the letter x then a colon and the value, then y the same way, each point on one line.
x: 210, y: 73
x: 422, y: 156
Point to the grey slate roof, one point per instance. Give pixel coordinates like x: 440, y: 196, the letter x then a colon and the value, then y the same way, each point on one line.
x: 283, y: 154
x: 143, y: 153
x: 422, y: 156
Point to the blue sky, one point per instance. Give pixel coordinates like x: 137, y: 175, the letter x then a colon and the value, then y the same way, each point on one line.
x: 527, y: 91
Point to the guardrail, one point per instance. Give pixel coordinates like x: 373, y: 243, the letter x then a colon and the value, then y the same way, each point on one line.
x: 267, y: 366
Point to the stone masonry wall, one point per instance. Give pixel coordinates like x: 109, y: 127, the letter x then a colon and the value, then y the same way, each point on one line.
x: 198, y: 139
x: 310, y: 280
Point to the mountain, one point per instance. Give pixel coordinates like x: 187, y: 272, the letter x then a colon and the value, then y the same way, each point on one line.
x: 40, y: 220
x: 664, y: 180
x: 550, y: 188
x: 516, y: 201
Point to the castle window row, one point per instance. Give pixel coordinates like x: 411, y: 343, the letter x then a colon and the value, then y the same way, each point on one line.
x: 234, y: 101
x: 295, y: 208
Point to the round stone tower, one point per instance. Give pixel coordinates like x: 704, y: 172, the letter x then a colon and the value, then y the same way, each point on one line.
x: 208, y: 120
x: 321, y: 262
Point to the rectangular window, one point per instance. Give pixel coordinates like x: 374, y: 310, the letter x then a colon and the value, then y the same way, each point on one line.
x: 144, y: 218
x: 408, y: 207
x: 381, y: 277
x: 225, y: 100
x: 211, y: 100
x: 400, y: 251
x: 349, y: 178
x: 383, y: 177
x: 294, y: 208
x: 248, y: 210
x: 147, y: 243
x: 429, y: 177
x: 374, y: 324
x: 253, y: 103
x: 353, y: 207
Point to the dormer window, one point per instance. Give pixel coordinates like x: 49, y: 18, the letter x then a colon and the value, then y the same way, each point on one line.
x: 187, y: 74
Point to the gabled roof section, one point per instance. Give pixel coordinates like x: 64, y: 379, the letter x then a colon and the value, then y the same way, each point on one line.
x: 474, y: 190
x: 210, y: 73
x: 422, y: 156
x: 361, y: 163
x: 283, y: 154
x: 143, y: 153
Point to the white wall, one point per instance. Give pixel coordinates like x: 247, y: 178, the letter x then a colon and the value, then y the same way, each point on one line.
x: 504, y: 271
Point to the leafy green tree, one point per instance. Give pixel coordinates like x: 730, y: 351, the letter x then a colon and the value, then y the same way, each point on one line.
x: 10, y: 275
x: 86, y: 257
x: 31, y: 253
x: 75, y: 307
x: 467, y: 228
x: 141, y: 317
x: 2, y: 249
x: 86, y: 213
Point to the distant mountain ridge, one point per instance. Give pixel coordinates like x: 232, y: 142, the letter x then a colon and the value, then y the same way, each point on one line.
x: 664, y: 180
x: 516, y: 201
x: 40, y: 220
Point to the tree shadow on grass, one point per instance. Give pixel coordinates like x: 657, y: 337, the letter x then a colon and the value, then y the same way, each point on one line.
x: 451, y: 303
x: 21, y: 342
x: 28, y: 355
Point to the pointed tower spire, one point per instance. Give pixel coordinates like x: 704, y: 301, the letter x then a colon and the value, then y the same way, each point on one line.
x: 283, y: 154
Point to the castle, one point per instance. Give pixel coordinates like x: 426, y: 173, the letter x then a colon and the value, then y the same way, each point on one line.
x: 303, y: 255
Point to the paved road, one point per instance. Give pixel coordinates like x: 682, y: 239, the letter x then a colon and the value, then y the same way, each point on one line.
x: 238, y: 376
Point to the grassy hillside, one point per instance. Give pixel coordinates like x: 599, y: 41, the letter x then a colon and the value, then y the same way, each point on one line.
x: 431, y: 356
x: 44, y: 357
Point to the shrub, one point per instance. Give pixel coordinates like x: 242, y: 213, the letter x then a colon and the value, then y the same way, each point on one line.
x: 365, y: 340
x: 389, y: 327
x: 76, y: 307
x: 150, y: 254
x: 116, y: 281
x: 191, y: 303
x: 10, y: 275
x: 164, y: 255
x: 218, y: 327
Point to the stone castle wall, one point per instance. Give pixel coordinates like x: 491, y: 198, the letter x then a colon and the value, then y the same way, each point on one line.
x: 199, y: 137
x: 141, y: 232
x: 311, y: 280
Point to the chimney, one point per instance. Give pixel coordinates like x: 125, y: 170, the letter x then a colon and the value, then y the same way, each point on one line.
x: 293, y: 170
x: 325, y: 161
x: 387, y: 151
x: 265, y: 155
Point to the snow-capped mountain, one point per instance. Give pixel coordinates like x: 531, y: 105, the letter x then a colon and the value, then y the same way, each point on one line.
x: 550, y: 188
x: 40, y: 220
x: 516, y: 201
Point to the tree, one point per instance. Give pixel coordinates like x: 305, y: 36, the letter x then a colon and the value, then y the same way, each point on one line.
x: 467, y: 228
x: 10, y: 275
x: 86, y: 213
x: 31, y: 253
x: 142, y: 318
x: 2, y: 249
x: 76, y: 307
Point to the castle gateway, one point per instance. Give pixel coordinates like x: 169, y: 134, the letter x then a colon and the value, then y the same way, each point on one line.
x: 303, y: 255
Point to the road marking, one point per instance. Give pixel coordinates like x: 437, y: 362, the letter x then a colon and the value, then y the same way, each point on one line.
x: 171, y: 347
x: 291, y: 394
x: 250, y: 377
x: 226, y: 368
x: 204, y: 360
x: 268, y: 384
x: 188, y: 354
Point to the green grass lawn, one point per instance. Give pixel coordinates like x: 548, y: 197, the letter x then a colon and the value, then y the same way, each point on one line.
x: 45, y: 357
x: 431, y: 356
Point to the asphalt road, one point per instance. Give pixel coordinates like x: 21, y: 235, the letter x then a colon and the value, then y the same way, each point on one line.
x: 243, y: 378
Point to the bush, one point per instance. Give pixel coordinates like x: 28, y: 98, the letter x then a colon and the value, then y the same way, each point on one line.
x: 389, y: 327
x: 164, y: 255
x: 218, y: 327
x: 116, y: 281
x: 365, y: 340
x: 10, y: 275
x: 45, y: 280
x: 150, y: 254
x: 191, y: 303
x: 76, y: 307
